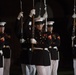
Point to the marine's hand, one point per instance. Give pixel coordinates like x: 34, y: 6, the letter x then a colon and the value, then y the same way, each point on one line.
x: 32, y: 12
x: 20, y: 15
x: 45, y: 15
x: 1, y: 52
x: 33, y: 41
x: 22, y: 40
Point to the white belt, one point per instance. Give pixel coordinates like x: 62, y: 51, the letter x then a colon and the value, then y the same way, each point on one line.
x: 41, y: 48
x: 6, y: 46
x: 55, y: 47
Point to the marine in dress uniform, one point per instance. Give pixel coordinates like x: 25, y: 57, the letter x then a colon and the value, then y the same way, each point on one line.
x: 26, y: 53
x: 54, y: 43
x: 40, y: 56
x: 74, y: 53
x: 74, y: 41
x: 7, y: 55
x: 2, y: 40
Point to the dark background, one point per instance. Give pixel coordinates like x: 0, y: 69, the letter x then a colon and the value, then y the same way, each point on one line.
x: 60, y: 10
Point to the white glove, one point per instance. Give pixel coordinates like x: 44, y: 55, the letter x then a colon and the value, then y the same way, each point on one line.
x: 20, y: 15
x: 33, y: 41
x: 73, y: 37
x: 74, y: 15
x: 1, y: 52
x: 50, y: 46
x: 45, y: 15
x: 32, y: 12
x: 22, y: 40
x: 55, y: 47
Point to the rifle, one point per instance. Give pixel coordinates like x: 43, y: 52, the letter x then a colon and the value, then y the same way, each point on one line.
x: 21, y: 40
x: 33, y: 27
x: 46, y: 18
x: 74, y: 24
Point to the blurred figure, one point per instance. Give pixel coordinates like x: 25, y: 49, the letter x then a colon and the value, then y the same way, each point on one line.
x: 7, y: 55
x: 54, y: 43
x: 40, y: 56
x: 74, y: 40
x: 74, y: 53
x: 2, y: 41
x: 26, y: 53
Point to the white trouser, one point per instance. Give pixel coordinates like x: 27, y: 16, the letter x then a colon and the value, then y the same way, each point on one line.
x: 43, y: 70
x: 54, y: 67
x: 23, y: 66
x: 74, y: 66
x: 6, y: 66
x: 28, y: 69
x: 1, y: 71
x: 1, y: 68
x: 47, y: 68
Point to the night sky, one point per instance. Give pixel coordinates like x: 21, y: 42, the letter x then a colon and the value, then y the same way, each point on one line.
x: 61, y: 11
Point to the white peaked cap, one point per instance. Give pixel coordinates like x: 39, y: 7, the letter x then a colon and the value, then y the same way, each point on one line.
x: 74, y: 15
x: 50, y: 22
x: 39, y: 18
x: 2, y: 23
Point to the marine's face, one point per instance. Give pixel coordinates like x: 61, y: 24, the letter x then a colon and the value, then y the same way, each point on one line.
x: 2, y: 29
x: 50, y: 29
x: 39, y: 27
